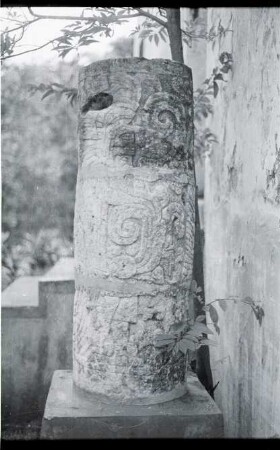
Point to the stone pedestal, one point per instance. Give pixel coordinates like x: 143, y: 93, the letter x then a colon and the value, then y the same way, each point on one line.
x: 71, y: 413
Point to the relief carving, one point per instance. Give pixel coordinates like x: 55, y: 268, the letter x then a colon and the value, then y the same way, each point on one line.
x: 134, y: 227
x: 135, y: 238
x: 140, y: 240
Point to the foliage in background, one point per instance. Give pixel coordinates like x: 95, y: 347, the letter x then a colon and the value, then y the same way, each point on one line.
x: 188, y: 336
x: 203, y: 106
x: 95, y: 22
x: 120, y: 48
x: 203, y: 97
x: 39, y: 166
x: 38, y: 145
x: 33, y: 254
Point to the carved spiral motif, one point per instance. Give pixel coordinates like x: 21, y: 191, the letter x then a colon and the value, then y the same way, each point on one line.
x: 166, y: 112
x: 167, y: 118
x: 135, y: 239
x: 126, y: 232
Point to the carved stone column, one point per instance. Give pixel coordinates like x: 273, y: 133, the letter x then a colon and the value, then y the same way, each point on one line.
x: 134, y: 227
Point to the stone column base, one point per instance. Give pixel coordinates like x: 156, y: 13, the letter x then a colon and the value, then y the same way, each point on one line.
x: 72, y: 414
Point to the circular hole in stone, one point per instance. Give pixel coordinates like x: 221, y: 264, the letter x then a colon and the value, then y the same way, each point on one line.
x: 102, y: 100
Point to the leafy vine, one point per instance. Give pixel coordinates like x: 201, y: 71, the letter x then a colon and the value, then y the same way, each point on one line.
x: 191, y: 335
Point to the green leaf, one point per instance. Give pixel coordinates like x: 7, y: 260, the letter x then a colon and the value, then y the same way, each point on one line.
x: 217, y: 328
x: 198, y: 326
x: 225, y: 68
x: 96, y: 29
x: 206, y: 99
x: 176, y: 348
x: 187, y: 344
x: 162, y: 36
x: 200, y: 318
x: 156, y: 39
x: 194, y: 333
x: 207, y: 81
x: 46, y: 94
x: 213, y: 314
x: 64, y: 52
x: 58, y: 85
x: 248, y: 300
x: 259, y: 313
x: 178, y: 327
x: 144, y: 33
x: 183, y: 347
x: 159, y: 344
x: 164, y: 336
x: 73, y: 98
x: 222, y: 304
x: 219, y: 76
x: 208, y: 342
x: 189, y: 337
x: 216, y: 89
x: 170, y: 347
x: 89, y: 41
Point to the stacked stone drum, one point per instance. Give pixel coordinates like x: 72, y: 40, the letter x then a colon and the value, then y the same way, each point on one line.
x: 134, y: 227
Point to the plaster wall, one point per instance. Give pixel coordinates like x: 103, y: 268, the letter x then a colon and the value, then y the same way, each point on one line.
x: 242, y: 221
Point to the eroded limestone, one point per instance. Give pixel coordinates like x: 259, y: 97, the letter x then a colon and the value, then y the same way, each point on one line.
x: 134, y: 226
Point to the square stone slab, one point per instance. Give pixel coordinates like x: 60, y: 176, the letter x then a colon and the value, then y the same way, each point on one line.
x: 73, y: 414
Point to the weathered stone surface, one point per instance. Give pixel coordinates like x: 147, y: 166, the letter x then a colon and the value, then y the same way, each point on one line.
x: 71, y: 413
x: 134, y: 225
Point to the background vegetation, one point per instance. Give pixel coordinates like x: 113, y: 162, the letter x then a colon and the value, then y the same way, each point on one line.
x: 39, y: 166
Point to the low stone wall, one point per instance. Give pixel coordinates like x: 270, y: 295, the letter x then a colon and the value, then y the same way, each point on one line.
x: 36, y: 339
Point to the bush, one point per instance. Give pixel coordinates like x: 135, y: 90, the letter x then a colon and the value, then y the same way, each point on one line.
x: 33, y: 254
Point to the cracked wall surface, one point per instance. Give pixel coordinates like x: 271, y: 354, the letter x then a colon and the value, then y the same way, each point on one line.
x: 242, y: 221
x: 134, y: 226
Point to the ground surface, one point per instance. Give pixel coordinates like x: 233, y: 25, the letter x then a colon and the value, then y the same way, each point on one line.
x: 27, y: 431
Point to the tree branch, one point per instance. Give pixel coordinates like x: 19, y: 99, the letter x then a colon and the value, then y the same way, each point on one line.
x: 174, y: 33
x: 22, y: 26
x: 86, y: 19
x: 141, y: 13
x: 152, y: 17
x: 28, y: 51
x: 11, y: 20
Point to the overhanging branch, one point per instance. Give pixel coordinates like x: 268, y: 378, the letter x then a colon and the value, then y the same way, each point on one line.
x: 152, y: 17
x: 24, y: 25
x: 28, y: 51
x: 85, y: 19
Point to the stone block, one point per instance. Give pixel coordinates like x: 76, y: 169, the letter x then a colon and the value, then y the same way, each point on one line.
x: 71, y: 413
x: 37, y: 317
